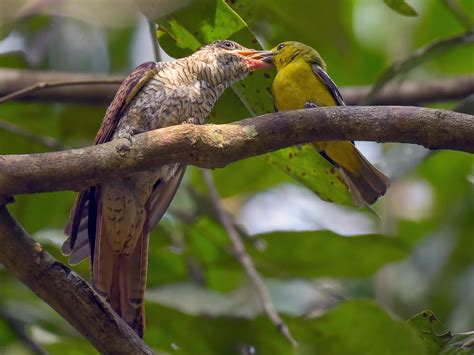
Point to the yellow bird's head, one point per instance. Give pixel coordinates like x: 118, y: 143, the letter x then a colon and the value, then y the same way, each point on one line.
x: 290, y: 52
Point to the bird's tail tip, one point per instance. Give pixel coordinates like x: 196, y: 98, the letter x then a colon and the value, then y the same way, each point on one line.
x: 369, y: 185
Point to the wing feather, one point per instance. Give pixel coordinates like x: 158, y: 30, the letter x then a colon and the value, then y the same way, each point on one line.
x: 125, y: 94
x: 326, y: 79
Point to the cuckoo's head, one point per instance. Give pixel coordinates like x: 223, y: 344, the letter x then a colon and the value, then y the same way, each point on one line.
x: 230, y: 60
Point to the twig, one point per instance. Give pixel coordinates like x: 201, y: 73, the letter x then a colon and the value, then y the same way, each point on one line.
x: 212, y: 146
x: 19, y: 329
x: 461, y: 15
x: 154, y: 40
x: 407, y: 93
x: 44, y: 85
x: 65, y: 291
x: 47, y: 142
x: 78, y: 87
x: 417, y: 58
x: 245, y: 260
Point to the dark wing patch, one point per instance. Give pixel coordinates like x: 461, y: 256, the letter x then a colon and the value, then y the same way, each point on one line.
x: 125, y: 94
x: 336, y: 94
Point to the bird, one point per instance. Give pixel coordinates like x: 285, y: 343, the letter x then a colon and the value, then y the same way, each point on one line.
x: 303, y: 82
x: 111, y: 221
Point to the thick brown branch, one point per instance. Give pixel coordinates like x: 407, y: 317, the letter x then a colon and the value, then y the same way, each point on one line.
x: 212, y: 146
x: 65, y: 291
x: 408, y: 93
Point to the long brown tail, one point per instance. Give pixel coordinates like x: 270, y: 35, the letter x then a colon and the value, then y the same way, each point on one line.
x: 120, y: 277
x: 119, y: 272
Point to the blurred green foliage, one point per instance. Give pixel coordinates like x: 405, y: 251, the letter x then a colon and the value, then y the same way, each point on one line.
x: 338, y: 295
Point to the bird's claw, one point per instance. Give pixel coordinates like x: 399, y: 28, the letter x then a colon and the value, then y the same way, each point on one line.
x: 309, y: 104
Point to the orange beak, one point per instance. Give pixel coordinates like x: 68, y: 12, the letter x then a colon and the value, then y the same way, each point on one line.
x: 257, y: 59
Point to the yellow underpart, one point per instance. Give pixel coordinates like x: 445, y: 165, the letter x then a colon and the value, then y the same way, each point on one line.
x: 294, y: 85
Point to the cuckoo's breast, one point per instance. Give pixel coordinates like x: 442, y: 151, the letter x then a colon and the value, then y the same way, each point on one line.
x: 161, y: 103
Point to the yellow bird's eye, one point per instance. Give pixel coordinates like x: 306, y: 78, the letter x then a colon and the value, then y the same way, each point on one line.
x: 280, y: 47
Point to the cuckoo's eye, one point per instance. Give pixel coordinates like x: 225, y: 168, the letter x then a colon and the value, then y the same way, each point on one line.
x: 280, y: 47
x: 228, y: 45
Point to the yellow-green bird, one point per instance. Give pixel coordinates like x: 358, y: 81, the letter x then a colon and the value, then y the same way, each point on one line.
x: 302, y: 82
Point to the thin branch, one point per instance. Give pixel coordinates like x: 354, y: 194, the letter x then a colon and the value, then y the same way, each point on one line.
x: 96, y: 92
x: 414, y: 92
x: 65, y: 291
x: 19, y: 329
x: 154, y: 40
x: 460, y: 14
x: 212, y: 146
x: 44, y: 85
x: 245, y: 260
x: 420, y: 56
x: 47, y: 142
x: 57, y: 86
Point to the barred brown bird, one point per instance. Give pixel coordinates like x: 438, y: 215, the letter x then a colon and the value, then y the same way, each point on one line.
x: 112, y: 221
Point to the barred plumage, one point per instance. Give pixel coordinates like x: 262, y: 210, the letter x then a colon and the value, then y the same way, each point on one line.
x: 112, y: 221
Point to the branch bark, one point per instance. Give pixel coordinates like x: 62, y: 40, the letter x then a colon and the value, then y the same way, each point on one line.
x: 65, y: 291
x: 212, y: 146
x: 101, y: 89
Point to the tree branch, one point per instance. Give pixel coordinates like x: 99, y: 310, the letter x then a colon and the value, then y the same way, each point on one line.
x: 212, y: 146
x: 19, y: 329
x: 101, y: 89
x: 45, y: 141
x: 414, y: 93
x: 65, y: 291
x: 244, y: 259
x: 420, y: 56
x: 57, y: 86
x: 460, y: 14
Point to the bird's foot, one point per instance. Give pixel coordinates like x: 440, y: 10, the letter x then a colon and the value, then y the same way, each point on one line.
x: 310, y: 104
x: 4, y: 199
x: 126, y: 146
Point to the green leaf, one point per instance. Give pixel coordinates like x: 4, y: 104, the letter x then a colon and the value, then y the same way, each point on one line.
x: 207, y: 335
x: 402, y: 7
x: 254, y: 175
x: 325, y: 254
x: 431, y: 331
x: 437, y: 340
x: 198, y: 24
x: 307, y: 166
x: 355, y: 327
x: 362, y: 327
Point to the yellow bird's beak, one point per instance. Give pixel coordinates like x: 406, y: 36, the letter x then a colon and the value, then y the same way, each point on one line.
x: 259, y: 59
x: 267, y: 57
x: 264, y: 56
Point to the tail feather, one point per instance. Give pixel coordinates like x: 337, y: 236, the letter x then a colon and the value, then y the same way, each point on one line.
x: 368, y: 184
x: 121, y: 278
x: 105, y: 261
x: 119, y: 274
x: 363, y: 180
